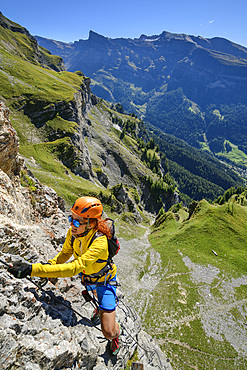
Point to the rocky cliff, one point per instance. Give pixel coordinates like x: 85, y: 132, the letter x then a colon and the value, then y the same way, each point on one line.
x: 10, y: 161
x: 40, y: 331
x: 92, y: 148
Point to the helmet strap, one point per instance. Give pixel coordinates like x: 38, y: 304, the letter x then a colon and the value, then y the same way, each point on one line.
x: 86, y: 231
x: 83, y: 234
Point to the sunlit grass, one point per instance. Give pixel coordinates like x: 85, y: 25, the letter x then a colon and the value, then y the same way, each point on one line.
x: 212, y: 228
x: 21, y: 79
x: 235, y: 155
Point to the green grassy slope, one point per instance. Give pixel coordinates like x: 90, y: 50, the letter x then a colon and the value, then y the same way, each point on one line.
x: 199, y: 304
x: 22, y: 83
x: 16, y: 40
x: 43, y: 109
x: 27, y: 83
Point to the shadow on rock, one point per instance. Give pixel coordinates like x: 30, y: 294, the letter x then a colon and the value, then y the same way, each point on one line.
x: 55, y: 307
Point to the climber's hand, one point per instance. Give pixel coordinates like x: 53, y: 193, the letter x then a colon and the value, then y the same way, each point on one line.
x: 20, y: 270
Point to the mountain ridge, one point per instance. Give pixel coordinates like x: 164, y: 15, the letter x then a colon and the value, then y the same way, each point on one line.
x: 215, y: 44
x: 144, y: 73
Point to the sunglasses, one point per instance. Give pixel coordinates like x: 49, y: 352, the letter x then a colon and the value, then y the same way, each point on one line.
x: 76, y: 223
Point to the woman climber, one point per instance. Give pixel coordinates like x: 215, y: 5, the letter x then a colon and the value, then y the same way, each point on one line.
x: 90, y: 261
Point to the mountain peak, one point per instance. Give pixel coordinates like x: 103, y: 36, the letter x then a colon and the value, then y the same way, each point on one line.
x: 94, y: 36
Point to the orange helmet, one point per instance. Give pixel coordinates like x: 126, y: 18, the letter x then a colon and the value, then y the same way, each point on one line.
x: 88, y: 207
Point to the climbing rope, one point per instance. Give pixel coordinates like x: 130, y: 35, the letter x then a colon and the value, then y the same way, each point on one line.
x: 149, y: 353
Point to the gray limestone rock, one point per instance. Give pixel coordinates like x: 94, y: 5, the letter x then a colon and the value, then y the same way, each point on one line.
x: 10, y: 161
x: 48, y: 328
x: 40, y: 331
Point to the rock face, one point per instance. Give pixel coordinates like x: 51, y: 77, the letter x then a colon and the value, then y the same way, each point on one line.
x: 77, y: 157
x: 10, y: 161
x: 40, y: 330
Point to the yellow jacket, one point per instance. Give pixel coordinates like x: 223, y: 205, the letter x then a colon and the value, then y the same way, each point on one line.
x: 85, y: 259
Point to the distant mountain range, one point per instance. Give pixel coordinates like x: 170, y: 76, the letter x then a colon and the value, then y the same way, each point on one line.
x: 208, y: 70
x: 190, y: 87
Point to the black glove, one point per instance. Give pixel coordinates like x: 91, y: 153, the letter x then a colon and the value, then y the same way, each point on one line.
x: 20, y: 269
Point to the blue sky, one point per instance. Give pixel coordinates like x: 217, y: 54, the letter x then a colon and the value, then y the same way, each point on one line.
x: 72, y: 20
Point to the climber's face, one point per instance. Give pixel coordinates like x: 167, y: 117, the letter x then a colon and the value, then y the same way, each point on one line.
x: 78, y: 224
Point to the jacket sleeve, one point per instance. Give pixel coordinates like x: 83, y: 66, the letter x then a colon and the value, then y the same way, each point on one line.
x: 87, y: 263
x: 65, y: 253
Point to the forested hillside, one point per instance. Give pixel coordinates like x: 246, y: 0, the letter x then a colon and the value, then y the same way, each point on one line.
x: 198, y: 173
